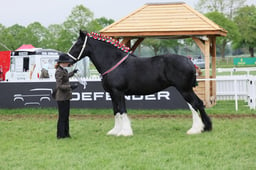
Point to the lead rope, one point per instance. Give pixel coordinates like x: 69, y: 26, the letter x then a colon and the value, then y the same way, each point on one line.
x: 81, y: 81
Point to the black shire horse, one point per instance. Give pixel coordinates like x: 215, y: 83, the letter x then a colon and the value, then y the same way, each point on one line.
x: 126, y: 74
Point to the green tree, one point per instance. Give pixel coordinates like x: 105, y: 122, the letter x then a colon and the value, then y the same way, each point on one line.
x: 104, y: 22
x: 3, y: 46
x: 228, y: 25
x: 41, y: 35
x: 154, y: 44
x: 56, y: 36
x: 170, y: 46
x: 160, y: 46
x: 246, y: 20
x: 64, y: 41
x: 98, y: 24
x: 55, y: 31
x: 227, y: 7
x: 2, y: 27
x: 16, y: 35
x: 79, y: 19
x: 65, y: 34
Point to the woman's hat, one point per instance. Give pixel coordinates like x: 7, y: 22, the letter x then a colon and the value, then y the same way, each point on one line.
x: 64, y: 58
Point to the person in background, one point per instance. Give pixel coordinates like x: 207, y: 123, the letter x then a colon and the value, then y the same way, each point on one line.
x: 44, y: 74
x: 63, y: 94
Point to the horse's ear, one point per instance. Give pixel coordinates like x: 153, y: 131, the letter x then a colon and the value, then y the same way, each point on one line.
x: 82, y: 33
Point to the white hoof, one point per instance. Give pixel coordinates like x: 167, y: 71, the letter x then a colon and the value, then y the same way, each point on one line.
x: 197, y: 128
x: 125, y: 132
x: 113, y: 132
x: 194, y: 131
x: 126, y: 129
x: 117, y: 126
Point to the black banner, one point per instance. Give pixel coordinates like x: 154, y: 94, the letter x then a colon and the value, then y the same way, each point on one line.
x: 38, y: 94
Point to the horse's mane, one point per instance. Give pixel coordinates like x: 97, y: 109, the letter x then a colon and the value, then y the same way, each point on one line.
x: 109, y: 40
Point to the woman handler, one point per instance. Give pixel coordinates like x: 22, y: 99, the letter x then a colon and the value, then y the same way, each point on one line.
x: 63, y: 94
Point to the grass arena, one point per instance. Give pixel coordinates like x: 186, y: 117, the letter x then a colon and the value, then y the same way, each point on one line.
x: 160, y: 142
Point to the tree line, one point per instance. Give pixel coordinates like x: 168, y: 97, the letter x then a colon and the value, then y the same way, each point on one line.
x: 233, y: 15
x: 237, y: 18
x: 55, y: 36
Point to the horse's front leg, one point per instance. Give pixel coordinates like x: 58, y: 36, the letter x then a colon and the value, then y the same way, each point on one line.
x: 122, y: 125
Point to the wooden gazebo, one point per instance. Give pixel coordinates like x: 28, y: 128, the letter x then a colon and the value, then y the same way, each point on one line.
x: 173, y: 21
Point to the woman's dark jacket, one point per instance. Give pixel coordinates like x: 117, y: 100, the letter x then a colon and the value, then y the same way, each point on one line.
x: 64, y: 91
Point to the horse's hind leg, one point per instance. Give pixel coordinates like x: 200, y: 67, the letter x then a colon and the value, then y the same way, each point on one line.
x: 122, y: 125
x: 205, y: 118
x: 197, y: 125
x: 202, y: 123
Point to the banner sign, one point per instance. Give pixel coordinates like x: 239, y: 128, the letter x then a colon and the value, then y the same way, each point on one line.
x: 38, y: 94
x: 244, y: 61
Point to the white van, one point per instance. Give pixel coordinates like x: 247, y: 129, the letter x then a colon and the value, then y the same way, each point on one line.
x: 29, y: 64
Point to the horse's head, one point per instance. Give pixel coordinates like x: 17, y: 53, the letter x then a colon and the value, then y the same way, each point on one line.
x: 78, y: 49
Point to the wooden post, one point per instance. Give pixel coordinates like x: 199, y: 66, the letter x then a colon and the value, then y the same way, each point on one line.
x: 204, y: 46
x: 213, y: 54
x: 207, y: 72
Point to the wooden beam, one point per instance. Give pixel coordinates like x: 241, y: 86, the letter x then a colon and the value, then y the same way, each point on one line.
x: 199, y: 43
x: 166, y: 33
x: 137, y: 43
x: 127, y: 41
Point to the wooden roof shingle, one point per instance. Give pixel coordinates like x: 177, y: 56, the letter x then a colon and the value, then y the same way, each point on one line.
x: 163, y: 19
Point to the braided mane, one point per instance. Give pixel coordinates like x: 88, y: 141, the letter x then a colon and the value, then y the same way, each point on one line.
x: 109, y: 40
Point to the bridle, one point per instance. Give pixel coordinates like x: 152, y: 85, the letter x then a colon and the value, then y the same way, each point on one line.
x: 83, y: 82
x: 81, y: 52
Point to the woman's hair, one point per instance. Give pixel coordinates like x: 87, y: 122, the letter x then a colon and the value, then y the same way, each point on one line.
x: 56, y: 65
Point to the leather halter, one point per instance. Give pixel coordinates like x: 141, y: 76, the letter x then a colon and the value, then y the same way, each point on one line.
x: 81, y: 52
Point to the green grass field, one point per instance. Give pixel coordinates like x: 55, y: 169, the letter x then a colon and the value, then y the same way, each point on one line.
x: 29, y: 142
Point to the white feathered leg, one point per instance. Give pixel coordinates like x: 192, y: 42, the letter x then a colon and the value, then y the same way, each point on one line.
x: 197, y: 126
x: 126, y: 129
x: 117, y: 126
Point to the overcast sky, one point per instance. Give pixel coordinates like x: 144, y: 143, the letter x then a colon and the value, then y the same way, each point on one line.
x: 47, y: 12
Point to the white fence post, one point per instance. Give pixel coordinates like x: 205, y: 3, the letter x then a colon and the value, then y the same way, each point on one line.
x: 236, y: 98
x: 252, y: 92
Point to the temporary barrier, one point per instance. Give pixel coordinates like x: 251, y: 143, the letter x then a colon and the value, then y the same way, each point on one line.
x: 237, y: 88
x: 38, y: 94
